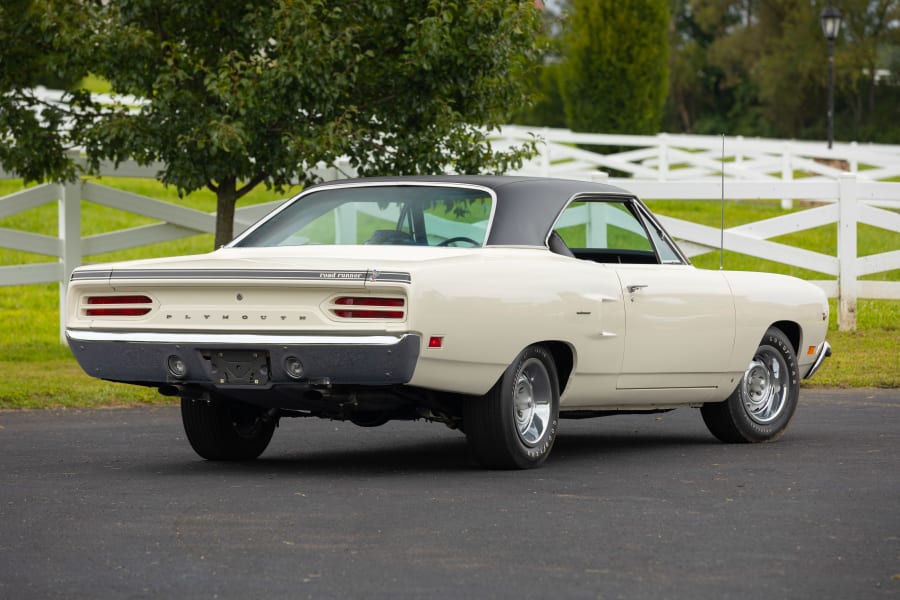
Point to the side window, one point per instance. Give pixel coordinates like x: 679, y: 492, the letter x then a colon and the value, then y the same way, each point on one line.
x: 605, y: 231
x: 668, y: 254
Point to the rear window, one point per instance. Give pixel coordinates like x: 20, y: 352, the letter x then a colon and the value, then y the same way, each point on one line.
x: 418, y: 215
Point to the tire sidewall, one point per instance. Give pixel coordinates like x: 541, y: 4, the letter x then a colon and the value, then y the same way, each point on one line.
x: 209, y: 427
x: 529, y: 455
x: 746, y: 425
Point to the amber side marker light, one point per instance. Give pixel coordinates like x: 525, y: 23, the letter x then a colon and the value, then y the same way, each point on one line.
x: 371, y: 308
x: 811, y: 350
x: 117, y: 306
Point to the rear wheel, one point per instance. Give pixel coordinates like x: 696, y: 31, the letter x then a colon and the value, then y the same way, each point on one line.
x: 763, y: 403
x: 222, y: 429
x: 514, y: 425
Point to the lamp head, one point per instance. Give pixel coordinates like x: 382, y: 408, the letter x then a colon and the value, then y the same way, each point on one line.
x: 831, y: 22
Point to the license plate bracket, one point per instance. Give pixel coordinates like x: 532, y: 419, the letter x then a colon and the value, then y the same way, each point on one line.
x: 240, y: 367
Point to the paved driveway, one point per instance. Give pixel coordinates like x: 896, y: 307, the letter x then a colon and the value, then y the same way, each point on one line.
x: 114, y: 504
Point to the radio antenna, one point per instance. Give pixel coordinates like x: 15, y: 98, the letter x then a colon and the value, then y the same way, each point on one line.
x: 722, y: 227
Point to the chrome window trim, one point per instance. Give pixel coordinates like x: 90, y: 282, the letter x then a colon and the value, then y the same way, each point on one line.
x: 643, y: 217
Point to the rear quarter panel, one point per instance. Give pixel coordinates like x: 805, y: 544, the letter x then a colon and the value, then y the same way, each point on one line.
x: 490, y: 305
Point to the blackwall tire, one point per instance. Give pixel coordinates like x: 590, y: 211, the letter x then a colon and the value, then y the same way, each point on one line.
x: 514, y: 425
x: 762, y: 405
x: 221, y: 429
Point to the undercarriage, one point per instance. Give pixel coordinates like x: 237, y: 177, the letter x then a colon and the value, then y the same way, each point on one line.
x: 362, y: 405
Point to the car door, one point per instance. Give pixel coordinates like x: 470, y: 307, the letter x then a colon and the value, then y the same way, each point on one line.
x: 679, y: 320
x: 679, y: 326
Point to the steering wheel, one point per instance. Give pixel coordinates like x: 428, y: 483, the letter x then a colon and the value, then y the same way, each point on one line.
x: 459, y: 238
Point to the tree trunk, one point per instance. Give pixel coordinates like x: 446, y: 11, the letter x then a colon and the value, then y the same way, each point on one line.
x: 873, y: 82
x: 686, y: 121
x: 226, y: 197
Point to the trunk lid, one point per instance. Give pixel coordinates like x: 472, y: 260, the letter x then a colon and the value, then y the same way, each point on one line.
x: 301, y: 289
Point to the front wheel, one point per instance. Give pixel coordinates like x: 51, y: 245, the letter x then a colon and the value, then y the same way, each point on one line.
x: 222, y: 429
x: 764, y: 401
x: 514, y: 425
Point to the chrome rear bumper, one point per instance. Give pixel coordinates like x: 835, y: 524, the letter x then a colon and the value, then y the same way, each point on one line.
x: 244, y: 360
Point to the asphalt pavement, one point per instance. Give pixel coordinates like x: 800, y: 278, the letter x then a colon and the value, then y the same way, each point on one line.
x: 115, y: 504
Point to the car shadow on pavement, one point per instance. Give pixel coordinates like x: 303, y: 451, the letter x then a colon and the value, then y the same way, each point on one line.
x: 440, y: 455
x: 445, y: 455
x: 587, y: 446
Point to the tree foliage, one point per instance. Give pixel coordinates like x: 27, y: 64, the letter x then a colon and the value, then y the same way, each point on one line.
x: 237, y: 94
x: 35, y: 50
x: 759, y: 67
x: 614, y: 74
x: 547, y: 110
x: 749, y: 67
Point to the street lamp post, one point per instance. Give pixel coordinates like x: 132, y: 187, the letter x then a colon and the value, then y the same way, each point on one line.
x: 831, y: 26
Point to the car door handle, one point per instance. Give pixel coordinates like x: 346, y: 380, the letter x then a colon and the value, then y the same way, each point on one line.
x: 633, y: 288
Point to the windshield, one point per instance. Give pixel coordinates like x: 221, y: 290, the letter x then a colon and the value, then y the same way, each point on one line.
x: 417, y: 215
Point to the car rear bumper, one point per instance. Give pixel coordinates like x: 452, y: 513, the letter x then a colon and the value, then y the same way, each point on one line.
x: 244, y: 360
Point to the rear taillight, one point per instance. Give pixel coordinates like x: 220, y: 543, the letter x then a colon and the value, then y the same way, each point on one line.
x: 118, y: 306
x: 366, y: 307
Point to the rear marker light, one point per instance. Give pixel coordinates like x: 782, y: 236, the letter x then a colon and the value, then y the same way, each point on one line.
x: 117, y: 306
x: 436, y: 341
x: 374, y: 308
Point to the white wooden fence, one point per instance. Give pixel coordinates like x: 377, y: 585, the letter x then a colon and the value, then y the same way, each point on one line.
x: 680, y: 157
x: 661, y: 167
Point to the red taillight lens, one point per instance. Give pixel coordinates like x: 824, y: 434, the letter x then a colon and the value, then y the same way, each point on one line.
x: 117, y: 306
x: 374, y: 308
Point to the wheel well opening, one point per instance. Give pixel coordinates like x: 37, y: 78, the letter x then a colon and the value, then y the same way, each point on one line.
x: 564, y: 360
x: 792, y: 331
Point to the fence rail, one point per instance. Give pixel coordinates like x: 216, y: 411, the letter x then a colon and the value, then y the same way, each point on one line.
x: 657, y: 167
x: 682, y: 157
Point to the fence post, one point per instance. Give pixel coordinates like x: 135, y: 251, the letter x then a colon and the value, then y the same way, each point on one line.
x: 848, y: 216
x: 69, y: 205
x: 787, y: 174
x: 662, y: 172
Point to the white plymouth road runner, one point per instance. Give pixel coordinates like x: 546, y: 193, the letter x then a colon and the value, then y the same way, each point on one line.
x: 495, y: 305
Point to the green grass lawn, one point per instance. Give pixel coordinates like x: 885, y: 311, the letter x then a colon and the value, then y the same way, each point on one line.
x: 37, y: 371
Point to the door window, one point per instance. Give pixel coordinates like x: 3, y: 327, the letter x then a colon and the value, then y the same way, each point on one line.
x: 612, y: 231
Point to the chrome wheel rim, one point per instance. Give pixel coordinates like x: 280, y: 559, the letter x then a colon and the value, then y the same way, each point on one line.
x: 532, y: 398
x: 765, y: 386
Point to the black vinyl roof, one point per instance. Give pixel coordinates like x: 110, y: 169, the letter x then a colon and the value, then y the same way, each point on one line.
x: 527, y: 207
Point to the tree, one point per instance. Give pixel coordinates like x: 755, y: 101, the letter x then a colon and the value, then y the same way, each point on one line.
x: 239, y: 94
x: 546, y: 110
x: 871, y: 29
x: 34, y: 50
x: 615, y: 72
x: 712, y: 55
x: 792, y: 72
x: 758, y: 67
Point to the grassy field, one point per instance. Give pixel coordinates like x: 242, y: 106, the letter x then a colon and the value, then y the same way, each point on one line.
x: 37, y: 371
